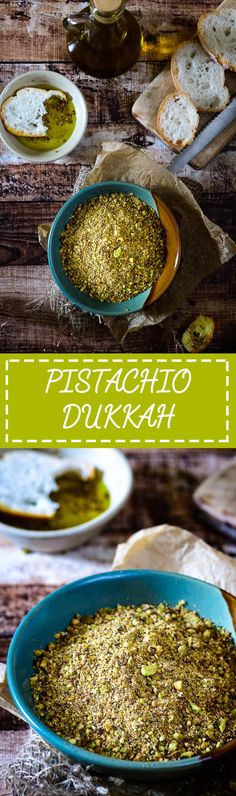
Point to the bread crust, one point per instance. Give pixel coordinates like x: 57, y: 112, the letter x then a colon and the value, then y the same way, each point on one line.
x: 220, y: 59
x: 174, y: 75
x: 181, y: 145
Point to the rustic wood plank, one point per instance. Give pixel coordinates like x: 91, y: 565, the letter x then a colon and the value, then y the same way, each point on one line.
x: 31, y: 324
x: 36, y: 27
x: 55, y: 181
x: 15, y: 602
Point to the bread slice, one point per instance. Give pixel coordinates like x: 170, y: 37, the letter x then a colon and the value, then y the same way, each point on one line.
x: 199, y: 334
x: 27, y: 479
x: 177, y: 120
x: 194, y: 71
x: 23, y: 113
x: 217, y: 34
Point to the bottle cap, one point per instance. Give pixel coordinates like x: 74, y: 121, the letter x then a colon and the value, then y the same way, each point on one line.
x: 107, y: 7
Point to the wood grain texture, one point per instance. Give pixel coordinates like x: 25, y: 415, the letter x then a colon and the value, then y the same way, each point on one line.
x: 32, y: 36
x: 35, y: 26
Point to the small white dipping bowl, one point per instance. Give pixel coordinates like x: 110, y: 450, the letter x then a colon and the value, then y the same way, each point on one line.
x: 117, y: 476
x: 49, y: 80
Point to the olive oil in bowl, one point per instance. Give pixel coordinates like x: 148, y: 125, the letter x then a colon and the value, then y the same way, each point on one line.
x: 78, y: 500
x: 60, y: 121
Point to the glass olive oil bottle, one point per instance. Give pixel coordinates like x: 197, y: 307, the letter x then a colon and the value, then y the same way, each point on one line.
x: 103, y: 39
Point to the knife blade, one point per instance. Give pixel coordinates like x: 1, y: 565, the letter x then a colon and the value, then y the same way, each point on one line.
x: 212, y: 129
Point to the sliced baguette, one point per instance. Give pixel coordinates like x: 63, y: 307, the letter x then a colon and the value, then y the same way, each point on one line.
x: 217, y: 34
x: 177, y: 120
x: 22, y: 114
x: 194, y: 72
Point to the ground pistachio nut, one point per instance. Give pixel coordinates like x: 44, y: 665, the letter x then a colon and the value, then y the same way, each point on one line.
x: 113, y: 247
x: 103, y: 684
x: 149, y: 669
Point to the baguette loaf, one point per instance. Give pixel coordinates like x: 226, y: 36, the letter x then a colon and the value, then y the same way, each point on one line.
x: 194, y: 72
x: 177, y: 120
x: 217, y: 34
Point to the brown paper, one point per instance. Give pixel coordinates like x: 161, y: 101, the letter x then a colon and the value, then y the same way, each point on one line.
x: 172, y: 549
x: 204, y: 245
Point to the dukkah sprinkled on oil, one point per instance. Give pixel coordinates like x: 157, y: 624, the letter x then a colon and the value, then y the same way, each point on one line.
x: 113, y: 247
x: 79, y: 500
x: 147, y: 683
x: 60, y: 120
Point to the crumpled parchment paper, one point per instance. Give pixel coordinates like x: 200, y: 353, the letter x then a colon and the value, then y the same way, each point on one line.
x: 205, y: 247
x: 169, y: 548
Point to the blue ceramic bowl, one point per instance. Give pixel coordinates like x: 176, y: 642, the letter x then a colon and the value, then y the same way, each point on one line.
x: 86, y: 596
x: 71, y: 292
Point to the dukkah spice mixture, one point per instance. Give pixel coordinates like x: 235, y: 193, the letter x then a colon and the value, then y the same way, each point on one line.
x: 148, y: 683
x: 113, y: 247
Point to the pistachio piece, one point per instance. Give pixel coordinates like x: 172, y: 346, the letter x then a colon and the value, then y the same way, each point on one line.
x: 222, y: 724
x: 182, y: 649
x: 187, y: 754
x: 195, y: 708
x: 173, y: 746
x: 178, y: 685
x: 43, y: 663
x: 149, y: 669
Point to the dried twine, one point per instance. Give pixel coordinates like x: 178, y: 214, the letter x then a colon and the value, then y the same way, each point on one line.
x: 41, y: 770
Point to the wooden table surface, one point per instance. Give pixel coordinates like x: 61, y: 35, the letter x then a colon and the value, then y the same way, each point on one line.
x: 32, y: 37
x: 164, y: 482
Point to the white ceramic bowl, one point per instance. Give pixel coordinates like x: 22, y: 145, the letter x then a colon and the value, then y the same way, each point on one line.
x: 118, y: 478
x: 54, y: 80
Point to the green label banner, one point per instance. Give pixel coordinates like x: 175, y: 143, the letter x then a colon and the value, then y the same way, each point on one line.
x: 118, y: 400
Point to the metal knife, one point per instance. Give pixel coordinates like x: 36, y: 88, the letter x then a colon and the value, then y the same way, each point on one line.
x: 212, y: 129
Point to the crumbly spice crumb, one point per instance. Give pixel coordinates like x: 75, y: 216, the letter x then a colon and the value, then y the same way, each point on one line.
x: 113, y: 247
x: 143, y: 683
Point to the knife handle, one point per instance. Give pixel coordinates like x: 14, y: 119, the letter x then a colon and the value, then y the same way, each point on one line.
x: 212, y: 149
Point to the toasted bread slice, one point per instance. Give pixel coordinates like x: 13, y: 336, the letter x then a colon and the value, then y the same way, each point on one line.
x: 27, y: 479
x: 177, y: 120
x: 217, y: 34
x: 194, y: 72
x: 22, y: 115
x: 199, y: 334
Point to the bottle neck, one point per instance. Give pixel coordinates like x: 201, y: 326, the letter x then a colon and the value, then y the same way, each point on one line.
x: 107, y: 11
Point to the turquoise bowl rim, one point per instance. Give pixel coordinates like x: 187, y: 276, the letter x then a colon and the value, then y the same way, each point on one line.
x: 126, y: 768
x: 81, y: 299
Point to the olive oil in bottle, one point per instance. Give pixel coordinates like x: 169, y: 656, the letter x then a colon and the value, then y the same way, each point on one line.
x: 159, y: 42
x: 103, y: 39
